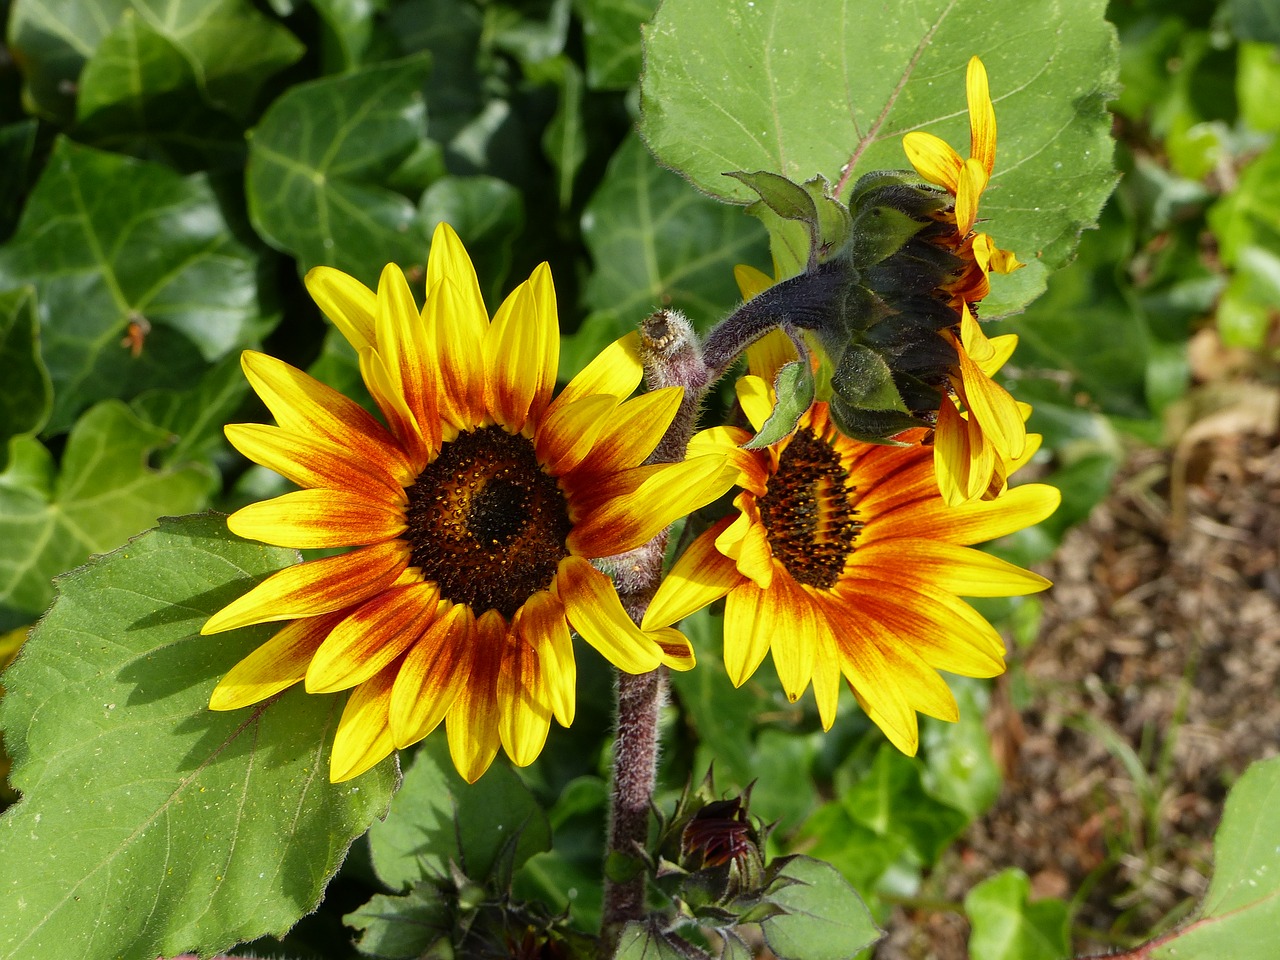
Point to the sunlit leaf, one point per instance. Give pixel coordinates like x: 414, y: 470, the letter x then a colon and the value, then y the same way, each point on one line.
x: 1008, y: 926
x: 224, y: 825
x: 803, y: 88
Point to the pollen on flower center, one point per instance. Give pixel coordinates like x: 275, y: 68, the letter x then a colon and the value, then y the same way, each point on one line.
x: 811, y: 525
x: 486, y: 523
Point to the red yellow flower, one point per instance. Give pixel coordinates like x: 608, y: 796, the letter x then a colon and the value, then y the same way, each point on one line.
x: 473, y: 516
x: 843, y: 560
x: 980, y: 434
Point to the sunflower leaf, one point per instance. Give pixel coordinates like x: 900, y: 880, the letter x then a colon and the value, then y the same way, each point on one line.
x: 803, y: 88
x: 825, y: 919
x: 488, y: 828
x: 53, y: 518
x: 316, y: 165
x: 402, y: 928
x: 175, y: 828
x: 113, y: 245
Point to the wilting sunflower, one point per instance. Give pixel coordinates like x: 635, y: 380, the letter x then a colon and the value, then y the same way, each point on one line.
x: 980, y: 434
x: 844, y: 560
x: 474, y: 514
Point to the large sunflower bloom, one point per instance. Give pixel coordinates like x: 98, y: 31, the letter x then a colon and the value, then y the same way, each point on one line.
x: 980, y: 434
x: 844, y: 560
x: 473, y: 514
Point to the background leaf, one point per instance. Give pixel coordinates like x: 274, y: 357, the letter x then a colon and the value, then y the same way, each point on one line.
x: 611, y: 29
x: 108, y: 241
x: 1007, y: 926
x: 53, y: 518
x: 316, y: 162
x: 25, y: 399
x: 195, y: 829
x: 801, y: 89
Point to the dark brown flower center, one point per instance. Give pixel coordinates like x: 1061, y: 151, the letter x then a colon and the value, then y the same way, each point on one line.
x: 811, y: 524
x: 486, y: 523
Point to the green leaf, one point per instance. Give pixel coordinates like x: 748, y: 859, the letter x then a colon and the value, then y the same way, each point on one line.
x: 643, y: 941
x: 349, y: 26
x: 795, y: 388
x: 1255, y: 20
x: 52, y: 519
x: 487, y: 828
x: 863, y: 856
x: 565, y: 140
x: 230, y: 47
x: 402, y: 928
x: 611, y: 29
x: 959, y: 768
x: 174, y: 828
x: 891, y: 801
x: 488, y: 215
x: 27, y: 394
x: 108, y: 242
x: 194, y: 418
x: 825, y: 918
x: 655, y: 242
x: 803, y: 88
x: 1007, y: 926
x: 17, y: 149
x: 316, y: 162
x: 1249, y: 215
x: 1241, y: 911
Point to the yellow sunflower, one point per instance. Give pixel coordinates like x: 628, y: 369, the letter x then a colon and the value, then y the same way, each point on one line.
x: 844, y: 560
x: 474, y: 514
x: 980, y: 433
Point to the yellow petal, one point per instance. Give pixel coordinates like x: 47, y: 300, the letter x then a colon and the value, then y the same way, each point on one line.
x: 371, y: 637
x: 746, y: 543
x: 448, y: 259
x: 347, y: 302
x: 363, y: 739
x: 746, y: 636
x: 456, y: 334
x: 756, y: 398
x: 790, y: 617
x: 315, y: 587
x: 276, y: 665
x: 568, y: 433
x: 541, y: 623
x: 432, y: 673
x: 524, y: 711
x: 933, y: 158
x: 380, y: 380
x: 319, y: 518
x: 615, y: 371
x: 770, y: 354
x: 952, y: 458
x: 956, y: 569
x: 592, y: 606
x: 975, y: 521
x: 521, y: 351
x: 751, y: 282
x: 994, y: 409
x: 701, y: 576
x: 634, y: 429
x: 472, y: 724
x: 969, y: 186
x: 408, y: 357
x: 982, y: 116
x: 311, y: 462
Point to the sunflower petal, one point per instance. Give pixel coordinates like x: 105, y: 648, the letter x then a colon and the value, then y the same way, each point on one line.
x: 430, y: 676
x: 633, y: 430
x: 969, y: 187
x: 276, y: 665
x: 525, y: 713
x: 701, y: 576
x: 615, y: 371
x: 455, y: 333
x: 363, y: 738
x: 982, y: 116
x: 347, y: 302
x: 372, y: 635
x: 315, y: 587
x: 541, y: 623
x: 472, y: 723
x: 310, y: 462
x: 592, y: 606
x: 963, y: 571
x: 790, y: 619
x: 751, y: 282
x: 568, y: 432
x: 319, y: 518
x: 746, y: 638
x: 933, y: 158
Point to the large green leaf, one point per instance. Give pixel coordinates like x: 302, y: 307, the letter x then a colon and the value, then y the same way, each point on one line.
x: 1008, y: 926
x: 316, y: 165
x: 801, y: 88
x: 110, y: 242
x: 825, y: 918
x: 52, y: 519
x: 655, y: 243
x: 25, y: 398
x: 486, y: 829
x: 229, y: 47
x: 1241, y: 912
x: 150, y: 825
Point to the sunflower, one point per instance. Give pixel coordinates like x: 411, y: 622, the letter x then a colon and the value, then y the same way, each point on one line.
x: 980, y: 433
x: 844, y: 559
x: 474, y: 514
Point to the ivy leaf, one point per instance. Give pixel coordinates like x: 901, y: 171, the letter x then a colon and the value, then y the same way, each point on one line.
x: 611, y: 29
x: 316, y: 162
x: 959, y: 768
x: 656, y: 243
x: 17, y: 149
x: 193, y: 418
x: 53, y: 519
x: 825, y: 918
x: 803, y: 88
x: 1007, y: 926
x: 229, y: 46
x: 174, y: 828
x: 1241, y: 911
x: 108, y: 242
x: 26, y: 397
x: 488, y: 828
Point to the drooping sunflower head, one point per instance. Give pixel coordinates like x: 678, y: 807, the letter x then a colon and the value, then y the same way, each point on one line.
x: 473, y: 510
